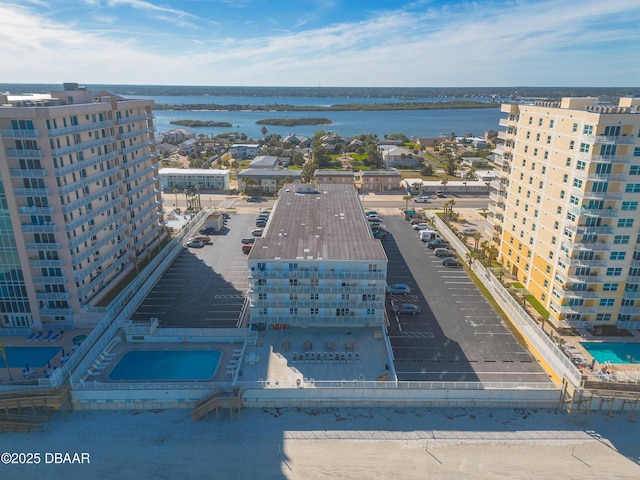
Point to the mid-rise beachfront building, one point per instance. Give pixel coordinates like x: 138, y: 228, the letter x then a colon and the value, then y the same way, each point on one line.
x: 194, y: 178
x: 317, y: 263
x: 79, y: 203
x: 565, y: 210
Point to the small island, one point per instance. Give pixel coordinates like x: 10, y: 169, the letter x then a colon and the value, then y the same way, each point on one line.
x: 290, y: 122
x: 199, y: 123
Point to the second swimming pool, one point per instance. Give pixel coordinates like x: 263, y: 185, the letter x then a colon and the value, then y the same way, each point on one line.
x: 167, y: 365
x: 614, y: 352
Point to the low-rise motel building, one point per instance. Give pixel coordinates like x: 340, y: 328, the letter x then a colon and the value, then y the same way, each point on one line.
x: 565, y: 210
x: 317, y: 263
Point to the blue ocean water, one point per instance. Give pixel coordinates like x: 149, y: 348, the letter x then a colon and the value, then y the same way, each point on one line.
x: 418, y: 123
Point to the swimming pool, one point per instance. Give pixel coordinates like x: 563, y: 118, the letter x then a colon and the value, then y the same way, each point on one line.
x: 614, y: 352
x: 167, y: 365
x: 35, y: 357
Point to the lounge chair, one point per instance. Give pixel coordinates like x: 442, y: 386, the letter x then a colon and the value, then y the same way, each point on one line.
x: 49, y: 333
x: 31, y: 337
x: 54, y: 338
x: 38, y: 337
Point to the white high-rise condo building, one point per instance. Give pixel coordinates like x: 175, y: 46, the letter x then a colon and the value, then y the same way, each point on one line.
x: 79, y: 203
x: 565, y: 211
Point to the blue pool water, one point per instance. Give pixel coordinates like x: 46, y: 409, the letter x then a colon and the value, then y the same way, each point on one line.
x: 167, y: 365
x: 614, y: 352
x: 35, y: 357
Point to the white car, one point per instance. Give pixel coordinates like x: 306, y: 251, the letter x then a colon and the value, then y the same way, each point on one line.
x: 421, y: 199
x: 420, y: 226
x: 469, y: 231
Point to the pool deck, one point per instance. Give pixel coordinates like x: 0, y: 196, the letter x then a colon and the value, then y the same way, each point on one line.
x: 279, y: 358
x: 64, y: 341
x: 588, y: 365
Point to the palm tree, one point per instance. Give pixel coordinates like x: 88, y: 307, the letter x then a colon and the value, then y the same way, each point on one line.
x: 406, y: 202
x: 264, y: 131
x: 476, y: 238
x: 444, y: 182
x: 175, y: 192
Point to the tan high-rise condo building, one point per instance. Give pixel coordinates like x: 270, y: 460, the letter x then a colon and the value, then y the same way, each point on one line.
x: 565, y: 210
x: 80, y: 203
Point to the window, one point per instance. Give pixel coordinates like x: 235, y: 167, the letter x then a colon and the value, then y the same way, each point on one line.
x: 610, y: 287
x: 603, y: 317
x: 614, y: 271
x: 636, y: 152
x: 314, y: 311
x: 540, y: 122
x: 577, y: 183
x: 551, y: 123
x: 530, y: 120
x: 562, y: 194
x: 629, y: 206
x: 526, y: 148
x: 632, y: 188
x: 572, y: 144
x: 634, y: 169
x: 559, y: 211
x: 535, y: 152
x: 607, y: 302
x: 621, y: 240
x: 568, y: 163
x: 546, y: 283
x: 584, y: 148
x: 575, y: 128
x: 550, y: 255
x: 528, y: 135
x: 556, y: 225
x: 293, y: 311
x: 565, y: 178
x: 537, y: 137
x: 617, y: 255
x: 625, y: 222
x: 588, y: 130
x: 541, y: 184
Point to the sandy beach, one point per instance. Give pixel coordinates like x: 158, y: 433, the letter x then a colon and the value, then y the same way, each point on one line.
x: 331, y: 443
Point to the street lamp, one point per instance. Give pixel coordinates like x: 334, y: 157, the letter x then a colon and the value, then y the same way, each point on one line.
x: 6, y: 363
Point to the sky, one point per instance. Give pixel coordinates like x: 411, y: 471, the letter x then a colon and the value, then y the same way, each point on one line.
x: 383, y: 43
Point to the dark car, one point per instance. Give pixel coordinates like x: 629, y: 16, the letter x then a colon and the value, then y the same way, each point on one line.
x: 261, y: 222
x: 254, y: 199
x: 437, y: 243
x: 405, y: 308
x: 207, y: 231
x: 444, y: 252
x: 399, y: 289
x: 451, y: 262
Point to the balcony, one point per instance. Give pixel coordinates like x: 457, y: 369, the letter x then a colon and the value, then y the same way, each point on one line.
x: 632, y: 295
x: 89, y: 162
x: 578, y: 262
x: 609, y: 140
x: 586, y: 230
x: 45, y: 263
x: 59, y: 152
x: 594, y: 247
x: 58, y: 312
x: 36, y: 210
x: 633, y: 279
x: 36, y: 228
x: 121, y: 121
x: 85, y: 127
x: 32, y: 192
x: 20, y: 133
x: 570, y: 293
x: 575, y: 309
x: 599, y: 177
x: 604, y: 158
x: 46, y: 247
x: 52, y: 296
x: 592, y: 212
x: 22, y: 173
x: 496, y: 197
x: 23, y: 153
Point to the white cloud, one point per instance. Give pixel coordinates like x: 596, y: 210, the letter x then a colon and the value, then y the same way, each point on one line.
x: 519, y: 43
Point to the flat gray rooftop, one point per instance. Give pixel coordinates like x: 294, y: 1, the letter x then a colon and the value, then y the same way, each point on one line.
x: 318, y: 222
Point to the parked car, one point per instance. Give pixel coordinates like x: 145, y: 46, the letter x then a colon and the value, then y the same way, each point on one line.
x: 416, y: 220
x: 437, y: 243
x: 469, y: 231
x: 444, y: 252
x: 195, y: 244
x: 257, y: 232
x: 226, y: 216
x: 398, y: 289
x: 246, y: 248
x: 370, y: 212
x: 207, y: 231
x: 421, y: 199
x: 261, y: 222
x: 203, y: 238
x: 420, y: 226
x: 254, y: 199
x: 405, y: 308
x: 247, y: 240
x: 374, y: 218
x: 451, y: 262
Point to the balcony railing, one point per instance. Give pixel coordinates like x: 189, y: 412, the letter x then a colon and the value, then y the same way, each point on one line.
x: 599, y: 177
x: 570, y: 293
x: 586, y: 230
x: 85, y: 127
x: 36, y: 228
x: 20, y: 133
x: 607, y: 139
x: 23, y: 153
x: 595, y: 212
x: 23, y: 173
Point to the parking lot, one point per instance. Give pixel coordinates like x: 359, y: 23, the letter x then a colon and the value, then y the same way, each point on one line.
x: 204, y: 287
x: 457, y: 336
